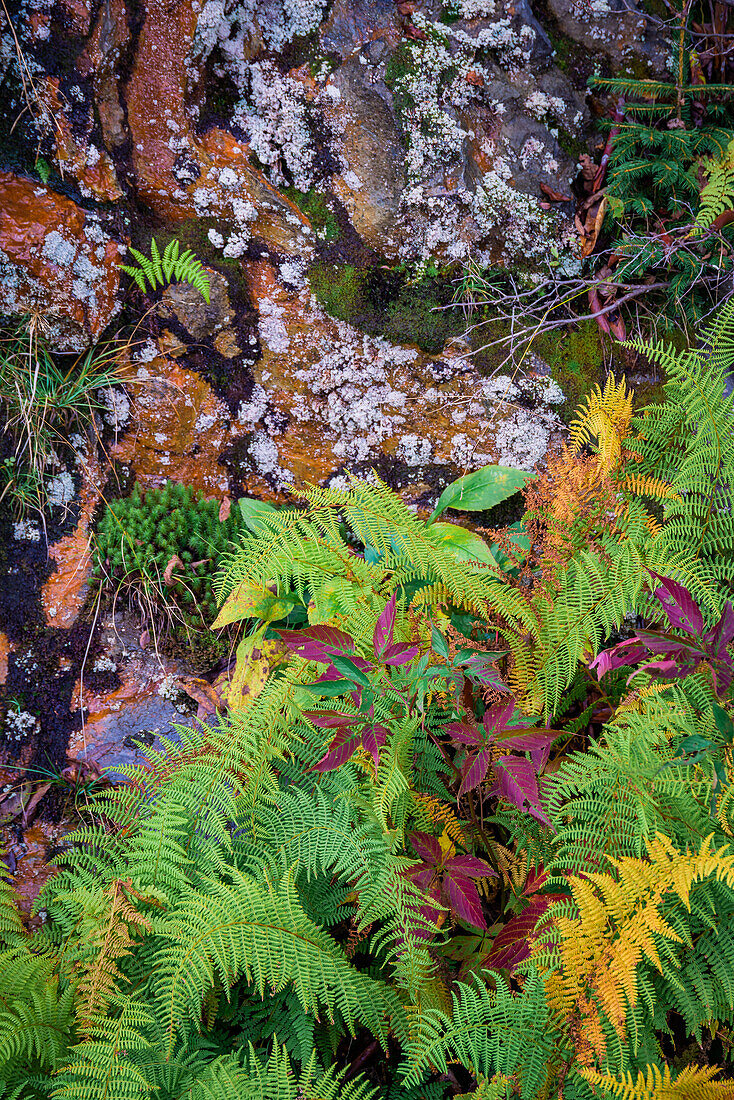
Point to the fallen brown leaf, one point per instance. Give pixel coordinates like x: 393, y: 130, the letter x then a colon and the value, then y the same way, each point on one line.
x: 168, y: 571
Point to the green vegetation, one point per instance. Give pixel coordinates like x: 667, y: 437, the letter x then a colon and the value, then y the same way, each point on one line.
x: 463, y: 831
x: 43, y: 398
x: 313, y: 204
x: 576, y: 359
x: 160, y: 549
x: 669, y: 176
x: 160, y: 269
x: 384, y: 302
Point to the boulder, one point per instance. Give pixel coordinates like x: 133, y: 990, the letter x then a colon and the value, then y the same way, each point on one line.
x: 56, y: 262
x: 372, y: 153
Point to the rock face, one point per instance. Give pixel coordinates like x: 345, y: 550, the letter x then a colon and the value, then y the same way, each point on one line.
x: 56, y: 262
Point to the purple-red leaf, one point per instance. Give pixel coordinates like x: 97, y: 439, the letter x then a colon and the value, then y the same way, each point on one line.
x: 384, y: 627
x: 464, y: 734
x: 679, y: 605
x: 721, y: 634
x: 511, y: 945
x: 497, y: 716
x: 341, y: 749
x: 427, y: 847
x: 470, y: 866
x: 373, y: 738
x: 474, y: 770
x: 672, y: 668
x: 423, y: 874
x: 625, y: 653
x: 317, y: 643
x: 518, y: 782
x: 463, y: 897
x: 399, y: 653
x: 330, y: 719
x: 482, y: 671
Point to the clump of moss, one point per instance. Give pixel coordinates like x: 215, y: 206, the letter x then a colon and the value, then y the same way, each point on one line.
x: 138, y: 538
x: 576, y: 360
x: 383, y: 302
x: 317, y: 210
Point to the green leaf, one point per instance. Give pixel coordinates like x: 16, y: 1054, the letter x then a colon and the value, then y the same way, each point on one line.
x: 462, y: 543
x: 328, y: 688
x: 252, y: 511
x: 252, y: 601
x: 724, y: 724
x: 439, y: 643
x: 43, y: 168
x: 482, y: 489
x: 348, y: 668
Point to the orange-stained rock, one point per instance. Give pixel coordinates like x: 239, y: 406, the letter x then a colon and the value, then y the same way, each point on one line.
x: 101, y: 58
x: 181, y: 429
x: 66, y: 590
x: 347, y: 399
x: 91, y: 167
x: 177, y: 172
x: 56, y: 261
x: 31, y: 868
x: 5, y: 651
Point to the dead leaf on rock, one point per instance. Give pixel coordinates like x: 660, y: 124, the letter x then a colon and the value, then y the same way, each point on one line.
x: 554, y: 196
x: 224, y: 509
x: 592, y: 227
x: 145, y: 639
x: 203, y: 693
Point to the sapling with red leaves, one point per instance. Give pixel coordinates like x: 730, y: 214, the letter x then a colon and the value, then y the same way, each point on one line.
x: 684, y: 649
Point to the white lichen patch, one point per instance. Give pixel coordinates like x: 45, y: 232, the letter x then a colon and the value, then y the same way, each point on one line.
x: 60, y: 489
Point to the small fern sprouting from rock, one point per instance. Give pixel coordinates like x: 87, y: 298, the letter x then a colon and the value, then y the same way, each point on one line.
x: 171, y: 266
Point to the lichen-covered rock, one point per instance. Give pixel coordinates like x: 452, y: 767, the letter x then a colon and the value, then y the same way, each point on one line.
x: 57, y: 262
x: 373, y: 175
x: 618, y: 29
x: 327, y: 398
x: 180, y: 174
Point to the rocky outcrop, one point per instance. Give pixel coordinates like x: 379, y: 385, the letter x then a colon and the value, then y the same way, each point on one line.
x: 57, y: 263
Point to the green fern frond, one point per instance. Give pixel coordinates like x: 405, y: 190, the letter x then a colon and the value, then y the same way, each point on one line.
x: 488, y: 1032
x: 160, y: 270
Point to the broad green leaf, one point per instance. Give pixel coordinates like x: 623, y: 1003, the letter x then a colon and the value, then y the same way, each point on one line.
x: 463, y: 544
x: 252, y: 601
x: 252, y: 512
x: 482, y: 489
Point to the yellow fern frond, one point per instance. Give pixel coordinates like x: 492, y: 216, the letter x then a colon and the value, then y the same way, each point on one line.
x: 632, y: 703
x: 440, y: 813
x: 616, y: 929
x: 605, y: 416
x: 112, y: 940
x: 692, y: 1083
x: 649, y: 487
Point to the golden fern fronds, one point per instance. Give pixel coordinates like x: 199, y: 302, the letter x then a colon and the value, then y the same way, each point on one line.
x: 615, y: 929
x: 440, y: 813
x: 605, y: 416
x: 718, y: 193
x: 112, y: 940
x: 692, y: 1083
x: 633, y: 702
x: 649, y: 487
